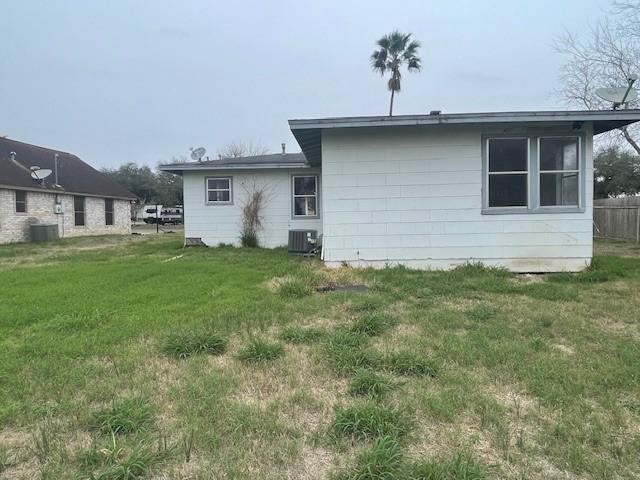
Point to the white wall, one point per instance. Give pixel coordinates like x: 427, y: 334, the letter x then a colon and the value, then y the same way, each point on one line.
x: 215, y: 224
x: 414, y: 196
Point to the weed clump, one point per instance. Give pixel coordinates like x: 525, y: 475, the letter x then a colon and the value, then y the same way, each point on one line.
x: 368, y: 420
x: 347, y: 353
x: 294, y: 288
x: 383, y: 461
x: 258, y: 350
x: 366, y: 382
x: 128, y: 415
x: 373, y: 324
x: 302, y: 335
x: 187, y: 343
x: 409, y: 363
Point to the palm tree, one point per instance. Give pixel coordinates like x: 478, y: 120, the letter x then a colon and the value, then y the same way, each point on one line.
x: 396, y: 49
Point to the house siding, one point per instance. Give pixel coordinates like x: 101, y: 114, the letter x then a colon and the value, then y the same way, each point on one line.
x: 14, y: 227
x: 215, y: 224
x: 414, y: 197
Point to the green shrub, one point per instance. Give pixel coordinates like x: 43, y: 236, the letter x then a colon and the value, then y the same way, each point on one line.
x: 190, y: 342
x: 305, y: 335
x: 373, y: 324
x: 249, y: 239
x: 369, y: 383
x: 383, y: 461
x: 409, y: 363
x: 368, y: 421
x: 128, y: 415
x: 294, y: 288
x: 259, y: 351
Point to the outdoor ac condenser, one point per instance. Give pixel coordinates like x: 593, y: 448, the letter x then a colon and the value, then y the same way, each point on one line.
x: 302, y: 241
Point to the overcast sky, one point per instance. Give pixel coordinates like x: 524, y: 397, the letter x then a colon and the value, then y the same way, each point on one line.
x: 118, y: 81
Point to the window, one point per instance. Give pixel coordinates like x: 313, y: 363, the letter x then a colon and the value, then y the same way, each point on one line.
x: 21, y: 201
x: 508, y: 172
x: 559, y: 171
x: 219, y: 190
x: 108, y: 211
x: 305, y: 196
x: 78, y: 211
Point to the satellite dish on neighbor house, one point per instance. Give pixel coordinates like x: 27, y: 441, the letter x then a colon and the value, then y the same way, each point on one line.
x: 40, y: 173
x: 198, y: 153
x: 619, y: 95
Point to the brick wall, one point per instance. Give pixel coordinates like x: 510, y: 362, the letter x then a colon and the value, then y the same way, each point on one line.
x: 14, y: 227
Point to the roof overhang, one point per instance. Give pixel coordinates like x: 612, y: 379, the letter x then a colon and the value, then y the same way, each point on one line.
x: 308, y: 132
x: 178, y: 168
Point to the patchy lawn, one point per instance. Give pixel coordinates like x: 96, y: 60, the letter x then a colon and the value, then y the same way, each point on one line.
x: 133, y: 358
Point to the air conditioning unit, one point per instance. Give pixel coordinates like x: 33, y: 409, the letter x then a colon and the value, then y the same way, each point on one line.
x: 302, y: 241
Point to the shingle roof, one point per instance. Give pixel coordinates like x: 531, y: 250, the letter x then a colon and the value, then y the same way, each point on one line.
x: 275, y: 160
x: 74, y: 175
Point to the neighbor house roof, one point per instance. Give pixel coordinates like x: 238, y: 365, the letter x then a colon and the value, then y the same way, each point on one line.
x: 308, y: 132
x: 74, y: 175
x: 276, y: 160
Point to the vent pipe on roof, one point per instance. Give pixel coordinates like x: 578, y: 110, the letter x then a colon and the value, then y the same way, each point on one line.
x: 12, y: 156
x: 284, y: 148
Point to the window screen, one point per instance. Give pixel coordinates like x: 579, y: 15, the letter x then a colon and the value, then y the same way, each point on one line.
x: 508, y: 162
x: 108, y: 211
x: 219, y: 190
x: 305, y: 196
x: 78, y: 211
x: 559, y: 171
x: 21, y: 201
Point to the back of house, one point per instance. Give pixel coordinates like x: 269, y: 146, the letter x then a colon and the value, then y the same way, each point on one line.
x: 509, y: 189
x: 73, y: 197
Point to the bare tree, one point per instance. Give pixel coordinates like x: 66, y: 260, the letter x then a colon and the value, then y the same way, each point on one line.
x: 256, y: 197
x: 606, y: 58
x: 242, y: 149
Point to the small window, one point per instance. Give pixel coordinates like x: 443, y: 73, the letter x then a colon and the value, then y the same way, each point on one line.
x: 305, y: 196
x: 508, y: 171
x: 219, y: 190
x: 108, y: 211
x: 559, y: 171
x: 78, y: 211
x: 21, y: 201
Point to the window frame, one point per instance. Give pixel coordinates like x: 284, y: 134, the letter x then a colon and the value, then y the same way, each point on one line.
x: 294, y: 196
x: 84, y: 211
x: 527, y: 174
x: 25, y: 201
x: 580, y: 161
x: 107, y: 212
x: 207, y: 190
x: 533, y: 177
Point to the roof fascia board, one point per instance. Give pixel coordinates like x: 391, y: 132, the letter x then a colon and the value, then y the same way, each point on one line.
x: 63, y: 192
x: 185, y: 167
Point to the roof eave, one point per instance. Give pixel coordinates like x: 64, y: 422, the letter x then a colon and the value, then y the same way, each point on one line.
x: 182, y: 167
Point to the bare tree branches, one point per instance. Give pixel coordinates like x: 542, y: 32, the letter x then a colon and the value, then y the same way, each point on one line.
x: 242, y: 149
x: 605, y: 59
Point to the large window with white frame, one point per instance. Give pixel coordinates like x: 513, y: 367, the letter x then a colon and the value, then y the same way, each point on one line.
x: 219, y: 190
x: 305, y: 195
x: 533, y: 174
x: 559, y: 171
x: 508, y: 172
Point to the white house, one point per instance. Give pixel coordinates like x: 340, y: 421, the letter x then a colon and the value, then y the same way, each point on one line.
x: 511, y: 189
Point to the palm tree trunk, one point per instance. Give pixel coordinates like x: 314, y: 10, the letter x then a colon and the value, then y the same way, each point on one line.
x: 391, y: 104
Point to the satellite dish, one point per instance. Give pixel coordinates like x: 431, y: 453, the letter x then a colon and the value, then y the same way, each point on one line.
x: 619, y: 95
x: 198, y: 153
x: 40, y: 173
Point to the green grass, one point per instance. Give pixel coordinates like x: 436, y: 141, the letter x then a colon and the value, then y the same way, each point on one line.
x: 258, y: 350
x: 129, y: 415
x: 191, y: 342
x: 373, y: 324
x: 474, y: 373
x: 368, y: 420
x: 302, y: 335
x: 369, y: 383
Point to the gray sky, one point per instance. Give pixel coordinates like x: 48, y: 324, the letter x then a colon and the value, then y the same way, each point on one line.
x: 116, y: 81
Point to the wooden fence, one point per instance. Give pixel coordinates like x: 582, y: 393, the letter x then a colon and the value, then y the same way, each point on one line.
x: 617, y: 218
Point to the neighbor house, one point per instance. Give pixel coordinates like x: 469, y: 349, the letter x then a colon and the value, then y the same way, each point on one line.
x: 511, y: 189
x: 77, y: 198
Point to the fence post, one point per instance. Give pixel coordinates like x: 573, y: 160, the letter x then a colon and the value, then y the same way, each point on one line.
x: 638, y: 225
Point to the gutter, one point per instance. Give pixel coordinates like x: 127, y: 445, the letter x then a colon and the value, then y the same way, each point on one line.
x: 64, y: 192
x: 195, y: 167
